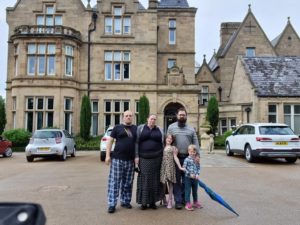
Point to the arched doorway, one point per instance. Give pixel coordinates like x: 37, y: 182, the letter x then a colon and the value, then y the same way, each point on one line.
x: 170, y: 114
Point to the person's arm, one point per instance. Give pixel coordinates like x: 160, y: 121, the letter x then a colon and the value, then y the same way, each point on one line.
x: 108, y: 150
x: 175, y: 153
x: 138, y: 133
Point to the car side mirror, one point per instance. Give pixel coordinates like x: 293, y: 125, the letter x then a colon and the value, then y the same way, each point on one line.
x: 21, y: 213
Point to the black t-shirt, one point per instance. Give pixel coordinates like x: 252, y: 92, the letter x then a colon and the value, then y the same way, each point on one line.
x: 125, y: 141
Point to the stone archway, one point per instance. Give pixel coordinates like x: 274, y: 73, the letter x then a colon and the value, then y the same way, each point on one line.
x: 170, y: 114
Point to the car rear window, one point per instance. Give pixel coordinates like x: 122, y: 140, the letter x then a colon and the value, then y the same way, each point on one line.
x: 275, y: 130
x: 47, y: 134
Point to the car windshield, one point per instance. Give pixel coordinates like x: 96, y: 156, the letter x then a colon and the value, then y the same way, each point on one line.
x: 47, y: 134
x: 275, y: 130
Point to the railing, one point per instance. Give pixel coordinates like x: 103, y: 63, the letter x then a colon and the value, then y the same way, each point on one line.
x: 27, y: 30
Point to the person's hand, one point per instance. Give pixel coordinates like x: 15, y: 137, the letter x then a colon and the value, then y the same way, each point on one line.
x: 107, y: 160
x: 193, y: 176
x: 197, y: 177
x: 182, y: 169
x: 136, y: 161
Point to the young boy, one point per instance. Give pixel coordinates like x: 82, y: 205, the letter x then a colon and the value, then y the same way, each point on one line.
x: 192, y: 171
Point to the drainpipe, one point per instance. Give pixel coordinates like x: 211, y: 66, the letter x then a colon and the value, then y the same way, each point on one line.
x: 94, y: 18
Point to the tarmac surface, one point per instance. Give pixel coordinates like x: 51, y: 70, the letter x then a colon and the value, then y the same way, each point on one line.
x: 74, y: 192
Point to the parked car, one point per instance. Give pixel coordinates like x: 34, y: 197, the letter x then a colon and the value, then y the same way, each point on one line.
x: 103, y: 143
x: 272, y: 140
x: 50, y: 142
x: 5, y: 148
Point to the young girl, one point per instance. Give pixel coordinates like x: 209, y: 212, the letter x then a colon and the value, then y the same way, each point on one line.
x: 191, y: 165
x: 167, y: 172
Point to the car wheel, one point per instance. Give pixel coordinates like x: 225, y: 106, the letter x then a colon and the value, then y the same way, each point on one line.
x: 63, y: 157
x: 228, y: 152
x: 248, y: 154
x: 30, y: 158
x: 8, y: 153
x: 291, y: 160
x: 73, y: 154
x: 102, y: 156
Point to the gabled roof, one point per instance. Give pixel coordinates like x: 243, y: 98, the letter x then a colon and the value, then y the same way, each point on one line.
x: 276, y: 40
x: 213, y: 63
x: 222, y: 51
x: 274, y: 76
x: 173, y: 4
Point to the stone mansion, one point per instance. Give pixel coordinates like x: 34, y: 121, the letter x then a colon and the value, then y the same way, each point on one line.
x: 118, y: 50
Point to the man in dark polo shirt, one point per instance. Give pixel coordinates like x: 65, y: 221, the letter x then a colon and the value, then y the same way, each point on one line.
x: 121, y: 163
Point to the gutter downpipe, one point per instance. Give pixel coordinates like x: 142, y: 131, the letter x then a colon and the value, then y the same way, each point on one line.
x: 94, y: 18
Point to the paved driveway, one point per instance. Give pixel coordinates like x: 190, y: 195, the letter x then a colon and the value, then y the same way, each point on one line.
x: 74, y: 192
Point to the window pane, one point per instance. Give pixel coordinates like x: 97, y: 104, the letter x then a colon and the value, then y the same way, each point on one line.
x: 51, y: 65
x: 127, y: 25
x: 172, y: 36
x: 29, y: 121
x: 41, y: 65
x: 95, y: 124
x: 49, y: 21
x: 272, y: 108
x: 117, y: 56
x: 49, y: 9
x: 108, y: 56
x: 287, y: 109
x: 108, y: 72
x: 171, y: 63
x: 117, y: 11
x: 126, y: 106
x: 117, y: 107
x: 117, y: 25
x: 126, y: 71
x: 58, y: 20
x: 31, y: 65
x: 41, y: 49
x: 68, y: 104
x: 117, y: 119
x: 95, y: 107
x: 107, y: 121
x: 69, y: 65
x: 117, y: 68
x: 40, y: 103
x: 51, y: 49
x: 297, y: 109
x: 50, y: 102
x: 126, y: 56
x: 40, y: 20
x: 29, y: 103
x: 172, y: 23
x: 107, y: 106
x: 108, y: 25
x: 39, y: 120
x: 31, y: 49
x: 49, y: 119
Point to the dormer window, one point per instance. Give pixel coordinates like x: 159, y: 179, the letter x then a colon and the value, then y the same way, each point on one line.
x: 49, y: 17
x: 118, y: 23
x: 250, y: 52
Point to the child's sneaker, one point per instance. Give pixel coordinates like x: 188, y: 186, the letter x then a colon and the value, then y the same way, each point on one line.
x: 189, y: 207
x: 197, y: 205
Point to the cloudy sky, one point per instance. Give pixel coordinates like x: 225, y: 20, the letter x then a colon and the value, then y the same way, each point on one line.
x: 271, y: 14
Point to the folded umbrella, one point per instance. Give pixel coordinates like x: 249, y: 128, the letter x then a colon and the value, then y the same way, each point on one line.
x: 214, y: 196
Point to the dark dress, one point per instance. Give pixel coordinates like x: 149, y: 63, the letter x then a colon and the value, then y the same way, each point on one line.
x: 150, y: 149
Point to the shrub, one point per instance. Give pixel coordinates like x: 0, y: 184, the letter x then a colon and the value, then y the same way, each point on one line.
x: 85, y: 118
x: 92, y: 144
x: 19, y: 137
x: 220, y: 140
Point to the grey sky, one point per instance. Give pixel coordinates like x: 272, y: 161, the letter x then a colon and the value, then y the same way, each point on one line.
x: 271, y: 15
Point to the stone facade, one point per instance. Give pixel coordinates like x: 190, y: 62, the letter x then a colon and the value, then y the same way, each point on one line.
x: 226, y: 77
x: 117, y: 51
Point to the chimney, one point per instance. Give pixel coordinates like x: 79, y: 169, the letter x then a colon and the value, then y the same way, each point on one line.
x: 227, y: 30
x: 153, y: 4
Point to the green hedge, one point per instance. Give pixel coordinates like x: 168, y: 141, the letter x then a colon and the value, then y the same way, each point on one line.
x: 19, y: 137
x: 220, y: 140
x: 92, y: 144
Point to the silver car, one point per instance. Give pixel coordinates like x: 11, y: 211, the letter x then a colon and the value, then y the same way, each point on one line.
x: 272, y: 140
x: 50, y: 142
x: 103, y: 143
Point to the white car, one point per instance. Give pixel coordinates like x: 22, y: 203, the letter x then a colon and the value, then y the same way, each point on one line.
x: 50, y: 142
x: 103, y: 143
x: 272, y: 140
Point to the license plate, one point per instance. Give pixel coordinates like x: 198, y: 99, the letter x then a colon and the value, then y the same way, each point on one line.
x: 281, y: 143
x: 43, y: 149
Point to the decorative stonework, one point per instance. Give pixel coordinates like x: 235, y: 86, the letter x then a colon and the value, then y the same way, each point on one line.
x: 175, y: 76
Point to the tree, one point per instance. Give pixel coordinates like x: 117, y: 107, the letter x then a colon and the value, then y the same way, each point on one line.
x: 2, y: 115
x: 144, y: 109
x: 212, y: 115
x: 85, y: 117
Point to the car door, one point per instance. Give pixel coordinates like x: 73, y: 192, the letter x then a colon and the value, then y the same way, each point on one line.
x: 238, y: 140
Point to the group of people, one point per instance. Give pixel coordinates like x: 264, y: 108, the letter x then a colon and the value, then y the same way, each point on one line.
x: 168, y: 166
